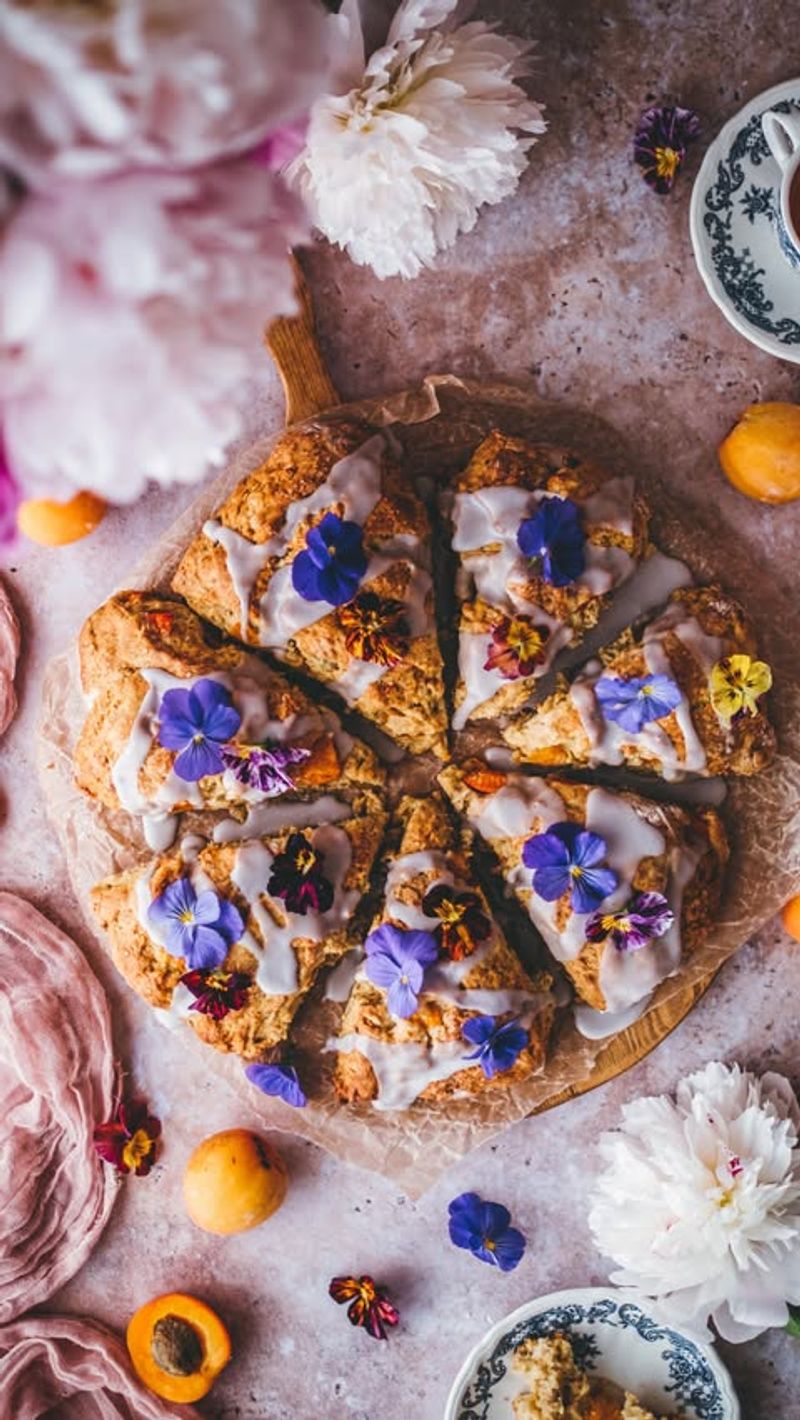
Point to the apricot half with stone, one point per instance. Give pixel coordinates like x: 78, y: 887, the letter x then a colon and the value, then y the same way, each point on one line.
x: 178, y: 1346
x: 761, y: 455
x: 234, y: 1181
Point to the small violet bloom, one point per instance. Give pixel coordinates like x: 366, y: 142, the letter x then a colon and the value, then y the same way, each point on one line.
x: 200, y: 927
x: 297, y: 877
x: 129, y: 1140
x: 396, y: 960
x: 647, y: 915
x: 659, y: 146
x: 567, y: 858
x: 331, y: 566
x: 517, y: 647
x: 554, y: 539
x: 279, y: 1080
x: 633, y: 703
x: 497, y: 1048
x: 217, y: 993
x: 369, y: 1306
x: 262, y: 768
x: 197, y: 722
x: 484, y: 1230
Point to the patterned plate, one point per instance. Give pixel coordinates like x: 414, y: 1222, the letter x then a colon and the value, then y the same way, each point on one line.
x: 611, y: 1335
x: 735, y: 235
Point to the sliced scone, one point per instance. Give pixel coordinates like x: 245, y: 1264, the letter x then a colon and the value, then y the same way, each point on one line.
x: 676, y: 696
x: 622, y: 889
x: 182, y: 718
x: 322, y: 555
x: 544, y: 540
x: 232, y: 936
x: 560, y: 1389
x: 440, y: 1006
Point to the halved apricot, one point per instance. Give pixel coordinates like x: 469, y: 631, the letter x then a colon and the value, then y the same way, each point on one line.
x: 178, y: 1346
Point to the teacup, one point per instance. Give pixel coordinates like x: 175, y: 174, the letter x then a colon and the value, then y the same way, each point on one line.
x: 782, y: 132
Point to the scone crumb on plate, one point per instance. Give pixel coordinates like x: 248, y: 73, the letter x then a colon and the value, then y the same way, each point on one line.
x: 561, y: 1390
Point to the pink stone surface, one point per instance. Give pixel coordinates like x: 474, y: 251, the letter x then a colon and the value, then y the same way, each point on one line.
x: 583, y: 285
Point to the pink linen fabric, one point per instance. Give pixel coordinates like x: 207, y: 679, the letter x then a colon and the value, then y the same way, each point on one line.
x: 57, y: 1080
x: 64, y: 1362
x: 9, y: 652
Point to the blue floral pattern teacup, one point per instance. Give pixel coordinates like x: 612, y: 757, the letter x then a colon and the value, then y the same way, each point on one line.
x: 782, y: 132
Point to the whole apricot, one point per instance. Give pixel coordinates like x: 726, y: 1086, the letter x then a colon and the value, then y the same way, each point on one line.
x: 178, y: 1346
x: 234, y: 1181
x: 790, y: 917
x: 54, y: 524
x: 761, y: 455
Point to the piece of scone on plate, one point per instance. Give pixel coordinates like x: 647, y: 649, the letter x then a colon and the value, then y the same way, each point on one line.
x: 180, y: 718
x: 621, y: 888
x: 560, y: 1389
x: 232, y: 936
x: 322, y: 555
x: 679, y: 695
x: 440, y: 1006
x: 544, y: 540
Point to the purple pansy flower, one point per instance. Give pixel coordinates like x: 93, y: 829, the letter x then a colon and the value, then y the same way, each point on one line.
x: 497, y: 1047
x: 262, y: 768
x: 396, y: 960
x: 645, y: 916
x: 633, y: 703
x: 333, y: 562
x: 280, y: 1080
x: 567, y: 858
x: 197, y: 722
x: 659, y: 146
x: 484, y: 1229
x: 200, y: 927
x: 298, y: 879
x: 554, y: 538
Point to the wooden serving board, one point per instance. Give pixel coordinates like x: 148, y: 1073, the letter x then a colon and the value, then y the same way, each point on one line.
x: 309, y: 390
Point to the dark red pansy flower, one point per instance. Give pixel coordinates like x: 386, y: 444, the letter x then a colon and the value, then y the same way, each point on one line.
x: 462, y: 920
x: 375, y: 628
x: 217, y: 992
x: 517, y: 647
x: 369, y: 1306
x: 129, y: 1140
x: 298, y: 879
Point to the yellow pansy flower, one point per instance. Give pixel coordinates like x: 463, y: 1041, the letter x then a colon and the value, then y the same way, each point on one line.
x: 736, y: 684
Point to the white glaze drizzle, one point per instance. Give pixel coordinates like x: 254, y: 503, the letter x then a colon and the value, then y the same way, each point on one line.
x: 276, y: 973
x: 274, y: 816
x: 404, y: 1069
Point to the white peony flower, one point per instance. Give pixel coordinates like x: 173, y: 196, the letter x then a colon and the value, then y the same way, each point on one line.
x: 132, y: 309
x: 94, y: 86
x: 400, y: 159
x: 699, y: 1203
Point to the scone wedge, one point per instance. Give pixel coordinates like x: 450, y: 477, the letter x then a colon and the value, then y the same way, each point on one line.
x: 560, y: 1389
x: 152, y: 670
x: 652, y: 699
x: 621, y: 888
x: 544, y: 540
x: 322, y: 555
x: 461, y: 1016
x: 273, y: 912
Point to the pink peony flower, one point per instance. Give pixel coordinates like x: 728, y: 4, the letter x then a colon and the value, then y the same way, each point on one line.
x: 132, y: 309
x: 87, y: 89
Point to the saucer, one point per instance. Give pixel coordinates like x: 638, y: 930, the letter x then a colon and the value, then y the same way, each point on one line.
x: 736, y: 229
x: 671, y: 1373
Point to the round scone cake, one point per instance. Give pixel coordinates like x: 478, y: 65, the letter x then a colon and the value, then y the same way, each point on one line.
x: 308, y: 803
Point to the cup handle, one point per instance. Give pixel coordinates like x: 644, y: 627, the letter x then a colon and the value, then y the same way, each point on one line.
x: 782, y: 132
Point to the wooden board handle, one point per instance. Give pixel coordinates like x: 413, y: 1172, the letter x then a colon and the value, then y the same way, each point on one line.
x: 292, y: 343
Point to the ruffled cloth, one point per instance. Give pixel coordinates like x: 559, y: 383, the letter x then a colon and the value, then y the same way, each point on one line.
x: 56, y: 1082
x: 9, y: 651
x: 47, y: 1360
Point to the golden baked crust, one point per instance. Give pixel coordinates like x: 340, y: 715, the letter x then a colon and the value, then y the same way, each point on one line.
x: 692, y: 836
x: 425, y: 827
x: 560, y: 1389
x: 264, y: 1022
x: 407, y: 701
x: 502, y: 460
x: 136, y: 632
x: 554, y: 732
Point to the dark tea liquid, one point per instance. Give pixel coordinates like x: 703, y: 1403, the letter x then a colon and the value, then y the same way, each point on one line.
x: 794, y: 202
